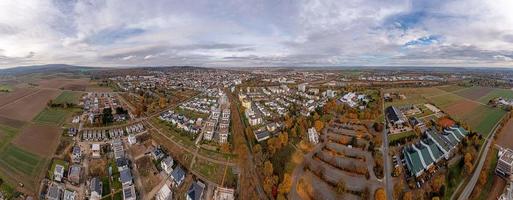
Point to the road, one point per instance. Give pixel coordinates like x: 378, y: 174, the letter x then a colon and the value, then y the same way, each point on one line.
x: 465, y: 194
x: 387, y: 162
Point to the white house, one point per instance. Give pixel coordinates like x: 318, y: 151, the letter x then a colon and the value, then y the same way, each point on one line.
x: 58, y: 173
x: 167, y: 164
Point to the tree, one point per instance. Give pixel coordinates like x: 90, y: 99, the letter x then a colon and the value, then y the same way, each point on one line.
x: 341, y: 186
x: 380, y: 194
x: 398, y: 189
x: 408, y: 196
x: 319, y: 125
x: 284, y: 138
x: 268, y: 168
x: 285, y: 184
x: 162, y: 102
x: 469, y: 166
x: 438, y: 182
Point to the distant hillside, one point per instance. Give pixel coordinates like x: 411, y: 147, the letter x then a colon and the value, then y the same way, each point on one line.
x: 46, y: 69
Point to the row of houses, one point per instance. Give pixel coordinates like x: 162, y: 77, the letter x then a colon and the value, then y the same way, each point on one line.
x: 111, y: 133
x: 192, y: 126
x: 423, y: 155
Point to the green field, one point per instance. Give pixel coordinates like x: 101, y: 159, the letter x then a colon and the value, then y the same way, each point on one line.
x: 16, y: 159
x: 505, y: 93
x: 394, y: 137
x: 6, y: 134
x: 51, y: 116
x: 413, y: 95
x: 5, y: 88
x: 67, y: 97
x: 445, y: 100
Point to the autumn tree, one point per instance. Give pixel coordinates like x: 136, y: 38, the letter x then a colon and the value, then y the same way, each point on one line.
x: 469, y: 166
x: 268, y: 168
x: 285, y: 185
x: 380, y: 194
x: 408, y: 196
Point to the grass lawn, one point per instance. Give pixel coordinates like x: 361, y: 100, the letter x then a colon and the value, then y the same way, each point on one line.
x: 180, y: 136
x: 51, y: 116
x: 217, y: 154
x: 392, y: 138
x: 212, y: 171
x: 413, y: 95
x: 191, y: 114
x: 55, y: 163
x: 105, y: 185
x: 67, y: 97
x: 453, y: 179
x: 16, y: 159
x: 118, y: 196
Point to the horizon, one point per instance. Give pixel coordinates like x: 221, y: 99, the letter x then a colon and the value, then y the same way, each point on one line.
x: 257, y: 33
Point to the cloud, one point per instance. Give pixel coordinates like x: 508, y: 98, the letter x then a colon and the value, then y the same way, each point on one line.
x: 257, y: 33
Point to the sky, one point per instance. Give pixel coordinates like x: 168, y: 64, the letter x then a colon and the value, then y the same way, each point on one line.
x: 251, y: 33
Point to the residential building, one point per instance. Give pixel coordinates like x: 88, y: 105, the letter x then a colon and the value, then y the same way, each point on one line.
x: 261, y: 135
x: 70, y: 195
x: 74, y: 174
x: 95, y: 188
x: 164, y: 193
x: 221, y: 193
x: 313, y: 136
x: 395, y: 117
x: 76, y: 154
x: 58, y: 173
x: 178, y: 176
x: 195, y: 192
x: 301, y: 87
x: 125, y: 176
x: 95, y: 150
x: 167, y: 164
x: 505, y: 162
x: 129, y: 193
x: 132, y: 139
x: 54, y: 191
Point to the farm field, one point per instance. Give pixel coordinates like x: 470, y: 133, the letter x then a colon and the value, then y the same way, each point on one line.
x: 451, y: 88
x: 26, y: 108
x: 413, y: 95
x: 18, y: 165
x: 505, y: 137
x: 53, y: 116
x: 68, y: 97
x: 7, y: 133
x: 38, y: 139
x: 17, y: 93
x: 467, y: 105
x: 64, y: 83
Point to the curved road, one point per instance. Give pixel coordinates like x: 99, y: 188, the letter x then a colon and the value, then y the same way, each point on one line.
x: 465, y: 194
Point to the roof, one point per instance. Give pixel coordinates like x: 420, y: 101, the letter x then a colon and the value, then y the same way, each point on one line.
x: 393, y: 114
x: 69, y: 195
x: 95, y: 147
x: 178, y: 173
x: 413, y: 160
x: 129, y: 192
x: 507, y: 156
x: 125, y: 175
x: 196, y: 190
x: 96, y: 185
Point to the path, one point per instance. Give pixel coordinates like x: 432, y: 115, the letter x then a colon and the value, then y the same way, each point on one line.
x: 465, y: 194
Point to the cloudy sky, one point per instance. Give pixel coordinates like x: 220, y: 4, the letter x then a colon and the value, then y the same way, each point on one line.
x: 257, y: 32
